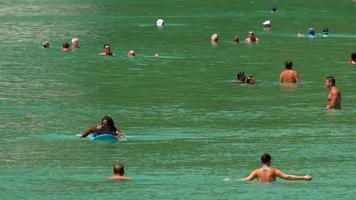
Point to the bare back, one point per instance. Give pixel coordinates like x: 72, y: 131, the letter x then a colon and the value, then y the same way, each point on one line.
x: 266, y: 175
x: 289, y: 76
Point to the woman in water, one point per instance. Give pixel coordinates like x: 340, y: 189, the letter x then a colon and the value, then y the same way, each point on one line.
x: 107, y: 126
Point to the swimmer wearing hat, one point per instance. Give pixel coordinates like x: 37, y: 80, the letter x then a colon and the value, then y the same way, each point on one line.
x: 267, y: 25
x: 131, y: 53
x: 160, y: 23
x: 214, y: 39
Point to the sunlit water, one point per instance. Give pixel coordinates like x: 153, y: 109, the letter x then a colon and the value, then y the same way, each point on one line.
x: 189, y: 125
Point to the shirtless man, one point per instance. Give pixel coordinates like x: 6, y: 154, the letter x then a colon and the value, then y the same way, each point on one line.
x: 289, y: 75
x: 252, y: 38
x: 353, y: 59
x: 268, y: 174
x: 334, y: 96
x: 119, y: 173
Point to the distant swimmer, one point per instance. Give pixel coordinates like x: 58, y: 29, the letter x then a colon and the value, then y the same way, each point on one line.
x: 107, y: 126
x: 274, y: 9
x: 268, y: 174
x: 353, y: 59
x: 156, y: 55
x: 66, y: 47
x: 45, y: 44
x: 107, y: 51
x: 241, y: 77
x: 325, y: 32
x: 252, y: 38
x: 214, y: 39
x: 131, y: 53
x: 267, y: 25
x: 119, y: 172
x: 160, y: 23
x: 75, y: 42
x: 236, y: 40
x: 334, y: 96
x: 289, y: 75
x: 251, y: 80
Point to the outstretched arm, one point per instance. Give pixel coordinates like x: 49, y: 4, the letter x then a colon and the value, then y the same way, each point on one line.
x: 250, y: 177
x: 292, y: 177
x: 87, y: 132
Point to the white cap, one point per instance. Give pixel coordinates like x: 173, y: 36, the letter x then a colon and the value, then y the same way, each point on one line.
x: 75, y: 39
x: 267, y: 22
x: 160, y: 23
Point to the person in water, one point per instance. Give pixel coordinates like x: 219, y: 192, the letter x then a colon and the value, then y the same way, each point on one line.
x: 252, y: 38
x: 119, y: 172
x: 66, y: 47
x: 45, y: 44
x: 107, y: 126
x: 131, y: 53
x: 268, y: 174
x: 334, y: 96
x: 353, y: 59
x: 236, y: 39
x: 251, y: 80
x: 241, y: 77
x: 107, y: 51
x: 75, y: 43
x: 214, y: 39
x: 289, y: 75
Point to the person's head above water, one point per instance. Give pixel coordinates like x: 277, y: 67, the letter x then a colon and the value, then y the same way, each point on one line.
x: 241, y: 77
x: 75, y: 42
x: 330, y: 81
x: 266, y: 158
x: 108, y: 122
x: 353, y: 56
x: 45, y: 44
x: 119, y: 169
x: 289, y: 64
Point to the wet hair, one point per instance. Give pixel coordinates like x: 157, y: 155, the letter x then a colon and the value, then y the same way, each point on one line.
x: 241, y: 77
x: 236, y: 39
x: 274, y: 8
x: 265, y: 158
x: 66, y: 45
x: 110, y: 122
x: 353, y: 56
x: 325, y: 30
x: 118, y: 168
x: 289, y: 64
x: 107, y: 45
x: 331, y: 79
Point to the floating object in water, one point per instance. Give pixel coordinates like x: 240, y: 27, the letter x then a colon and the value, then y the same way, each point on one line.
x: 103, y: 136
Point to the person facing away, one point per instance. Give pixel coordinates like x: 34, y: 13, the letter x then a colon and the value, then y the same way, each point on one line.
x: 289, y: 75
x: 75, y: 43
x: 107, y: 51
x: 241, y: 77
x: 252, y: 38
x: 353, y: 59
x: 107, y: 126
x: 334, y: 96
x: 268, y: 174
x: 119, y: 172
x: 66, y: 47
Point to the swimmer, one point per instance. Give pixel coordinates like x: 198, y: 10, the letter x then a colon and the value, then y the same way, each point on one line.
x: 251, y: 80
x: 268, y: 174
x: 334, y: 96
x: 353, y: 59
x: 160, y: 23
x: 325, y: 32
x: 66, y: 47
x: 236, y: 40
x: 107, y: 51
x: 107, y: 126
x: 214, y: 39
x: 311, y: 33
x: 156, y: 55
x: 241, y: 78
x: 45, y: 44
x: 274, y: 9
x: 252, y: 38
x: 131, y: 53
x: 75, y: 42
x: 267, y: 25
x: 119, y: 172
x: 289, y: 75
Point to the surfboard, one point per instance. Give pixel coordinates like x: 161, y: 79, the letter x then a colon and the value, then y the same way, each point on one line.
x: 104, y: 137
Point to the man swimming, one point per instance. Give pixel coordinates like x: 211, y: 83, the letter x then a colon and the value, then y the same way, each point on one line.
x: 268, y: 174
x: 107, y: 51
x: 119, y: 172
x: 334, y: 96
x: 353, y: 59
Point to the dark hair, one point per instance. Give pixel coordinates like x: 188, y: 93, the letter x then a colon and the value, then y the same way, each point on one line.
x: 353, y: 56
x: 265, y: 158
x: 241, y: 77
x: 106, y: 45
x: 250, y: 80
x: 110, y: 122
x: 331, y: 79
x: 289, y: 64
x: 66, y: 45
x: 118, y: 168
x: 236, y: 39
x: 45, y: 44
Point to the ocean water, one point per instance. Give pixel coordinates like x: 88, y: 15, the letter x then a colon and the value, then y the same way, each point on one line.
x: 189, y: 125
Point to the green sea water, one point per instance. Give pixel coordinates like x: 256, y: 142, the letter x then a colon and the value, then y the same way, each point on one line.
x: 189, y: 125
